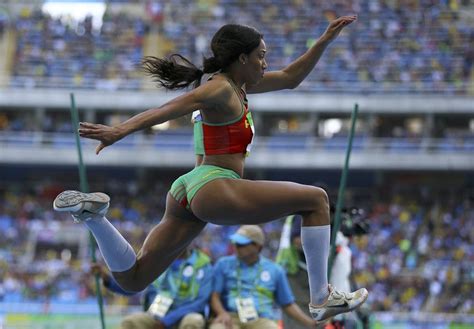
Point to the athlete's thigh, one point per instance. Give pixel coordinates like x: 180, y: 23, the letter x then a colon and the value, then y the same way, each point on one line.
x: 166, y: 241
x: 241, y: 201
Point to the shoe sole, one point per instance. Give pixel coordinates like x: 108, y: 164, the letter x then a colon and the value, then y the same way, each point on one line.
x: 72, y: 200
x: 348, y: 310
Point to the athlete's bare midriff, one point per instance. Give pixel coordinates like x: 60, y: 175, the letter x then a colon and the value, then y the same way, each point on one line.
x: 233, y: 162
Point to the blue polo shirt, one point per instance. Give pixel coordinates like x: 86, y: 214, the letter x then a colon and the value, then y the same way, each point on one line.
x: 190, y: 283
x: 265, y: 282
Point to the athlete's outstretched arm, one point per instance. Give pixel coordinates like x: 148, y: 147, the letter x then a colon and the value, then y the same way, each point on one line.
x: 209, y: 95
x: 291, y: 76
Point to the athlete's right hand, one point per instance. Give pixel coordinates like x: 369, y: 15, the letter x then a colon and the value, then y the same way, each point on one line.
x: 336, y: 26
x: 107, y: 135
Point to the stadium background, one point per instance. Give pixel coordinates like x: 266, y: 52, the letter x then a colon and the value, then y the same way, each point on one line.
x: 407, y: 63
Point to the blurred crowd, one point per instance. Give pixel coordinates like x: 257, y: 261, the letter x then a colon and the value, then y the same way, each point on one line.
x: 418, y: 256
x: 402, y: 46
x: 408, y: 46
x: 61, y: 53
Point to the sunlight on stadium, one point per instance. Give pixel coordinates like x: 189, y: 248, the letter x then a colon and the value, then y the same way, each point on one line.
x: 230, y: 164
x: 75, y: 11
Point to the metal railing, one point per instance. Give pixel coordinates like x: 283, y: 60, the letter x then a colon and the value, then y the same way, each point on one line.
x: 38, y: 139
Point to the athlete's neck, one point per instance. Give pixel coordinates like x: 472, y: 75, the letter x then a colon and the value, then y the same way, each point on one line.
x: 234, y: 76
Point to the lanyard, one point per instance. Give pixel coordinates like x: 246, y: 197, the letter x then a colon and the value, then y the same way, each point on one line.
x: 239, y: 282
x: 175, y: 283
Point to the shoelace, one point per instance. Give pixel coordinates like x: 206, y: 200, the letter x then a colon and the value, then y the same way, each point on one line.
x: 339, y: 294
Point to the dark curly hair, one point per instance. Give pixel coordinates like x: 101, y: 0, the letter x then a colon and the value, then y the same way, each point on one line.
x: 175, y: 71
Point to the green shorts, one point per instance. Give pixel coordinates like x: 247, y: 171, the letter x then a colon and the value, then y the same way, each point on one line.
x: 186, y: 186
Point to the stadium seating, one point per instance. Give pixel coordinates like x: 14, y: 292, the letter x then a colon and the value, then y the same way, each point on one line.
x: 378, y: 54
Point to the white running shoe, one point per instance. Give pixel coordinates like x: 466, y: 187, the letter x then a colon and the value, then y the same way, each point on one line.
x: 338, y: 302
x: 82, y: 206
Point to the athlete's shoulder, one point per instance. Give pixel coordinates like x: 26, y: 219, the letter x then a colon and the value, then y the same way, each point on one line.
x: 217, y: 88
x: 212, y: 94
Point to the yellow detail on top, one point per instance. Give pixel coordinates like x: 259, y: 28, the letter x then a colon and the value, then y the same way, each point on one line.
x: 216, y: 171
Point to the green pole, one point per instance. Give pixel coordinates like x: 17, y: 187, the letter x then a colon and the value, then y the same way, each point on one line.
x: 340, y: 196
x: 85, y: 189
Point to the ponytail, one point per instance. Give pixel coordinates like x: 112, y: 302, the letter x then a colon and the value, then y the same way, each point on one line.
x: 170, y: 74
x: 227, y: 44
x: 176, y: 72
x: 211, y: 65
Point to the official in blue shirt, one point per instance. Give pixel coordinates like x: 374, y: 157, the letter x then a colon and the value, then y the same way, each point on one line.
x: 184, y: 290
x: 248, y: 286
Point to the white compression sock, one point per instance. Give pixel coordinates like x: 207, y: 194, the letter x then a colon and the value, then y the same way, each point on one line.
x: 117, y: 252
x: 316, y: 241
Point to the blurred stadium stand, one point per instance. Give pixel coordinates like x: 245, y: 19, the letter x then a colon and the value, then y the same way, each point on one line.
x: 412, y: 160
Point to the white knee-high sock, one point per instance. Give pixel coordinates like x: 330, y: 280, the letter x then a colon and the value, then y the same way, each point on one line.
x: 316, y: 241
x: 117, y: 252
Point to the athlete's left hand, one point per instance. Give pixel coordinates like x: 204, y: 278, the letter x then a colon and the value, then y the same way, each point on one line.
x: 336, y: 26
x: 107, y: 135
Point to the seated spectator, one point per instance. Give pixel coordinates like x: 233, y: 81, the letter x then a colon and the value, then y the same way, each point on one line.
x: 177, y: 299
x: 247, y: 286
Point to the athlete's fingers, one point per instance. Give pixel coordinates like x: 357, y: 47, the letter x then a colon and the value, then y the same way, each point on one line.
x: 337, y: 25
x: 344, y: 20
x: 86, y: 131
x: 349, y: 17
x: 99, y: 148
x: 87, y: 125
x: 349, y: 20
x: 96, y: 134
x: 98, y: 137
x: 90, y: 131
x: 92, y: 128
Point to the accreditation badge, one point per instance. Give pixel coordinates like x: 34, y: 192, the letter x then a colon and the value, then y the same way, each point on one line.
x: 160, y: 306
x: 246, y: 309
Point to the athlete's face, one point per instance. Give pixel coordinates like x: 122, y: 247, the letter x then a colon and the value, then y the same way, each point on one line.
x: 255, y: 64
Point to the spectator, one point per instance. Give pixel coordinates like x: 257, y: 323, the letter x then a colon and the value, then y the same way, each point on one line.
x: 177, y: 299
x: 247, y: 285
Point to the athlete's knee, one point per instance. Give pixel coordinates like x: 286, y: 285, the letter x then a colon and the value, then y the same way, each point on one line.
x: 129, y: 281
x: 324, y: 197
x: 320, y: 198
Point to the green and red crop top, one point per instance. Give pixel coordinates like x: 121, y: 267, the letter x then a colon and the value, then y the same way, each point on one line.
x: 225, y: 138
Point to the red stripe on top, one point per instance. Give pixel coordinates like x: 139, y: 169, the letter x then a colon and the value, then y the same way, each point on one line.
x: 231, y: 138
x: 228, y: 139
